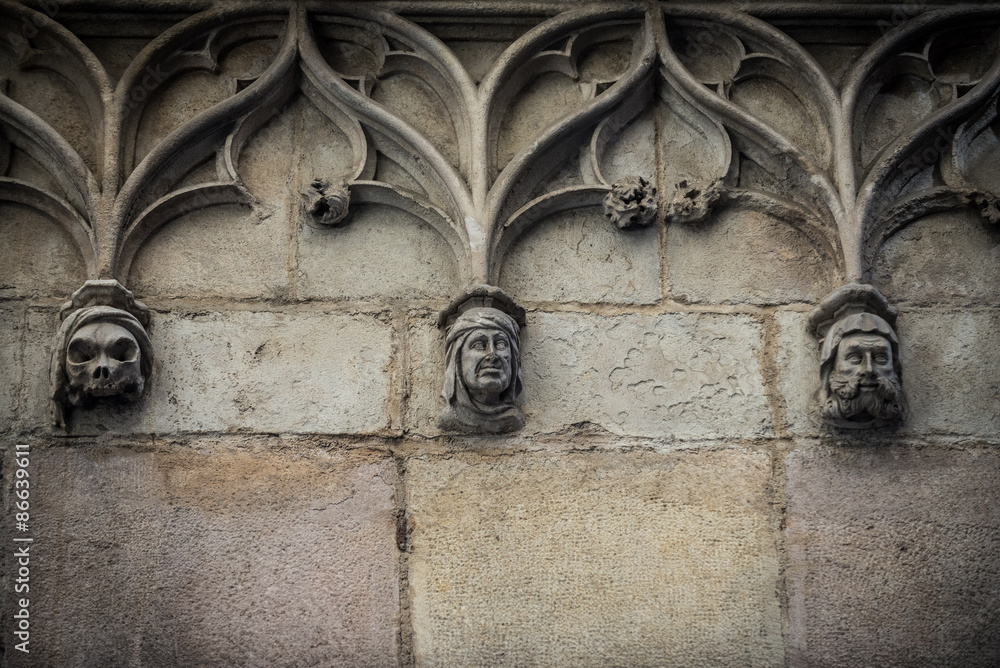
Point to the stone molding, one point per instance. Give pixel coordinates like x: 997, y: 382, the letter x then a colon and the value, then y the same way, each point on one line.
x: 847, y: 188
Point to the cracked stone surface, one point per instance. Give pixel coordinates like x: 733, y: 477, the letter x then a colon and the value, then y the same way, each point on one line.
x: 597, y: 263
x: 745, y: 257
x: 680, y: 376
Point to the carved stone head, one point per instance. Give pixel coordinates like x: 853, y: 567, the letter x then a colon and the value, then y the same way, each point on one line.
x: 103, y: 360
x: 482, y: 377
x: 860, y: 370
x: 102, y: 353
x: 860, y: 373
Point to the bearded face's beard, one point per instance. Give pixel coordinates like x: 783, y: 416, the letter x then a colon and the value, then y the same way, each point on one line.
x: 848, y: 401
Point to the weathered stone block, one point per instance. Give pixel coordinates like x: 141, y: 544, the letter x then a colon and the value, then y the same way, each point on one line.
x: 951, y: 377
x: 740, y: 256
x: 940, y: 259
x: 222, y: 250
x: 593, y: 560
x: 425, y: 343
x: 247, y: 370
x: 632, y: 151
x: 683, y: 376
x: 351, y: 260
x: 11, y: 364
x: 951, y: 371
x: 208, y: 556
x: 54, y: 97
x: 579, y: 256
x: 797, y: 361
x: 677, y: 375
x: 41, y: 258
x: 228, y: 250
x: 893, y: 557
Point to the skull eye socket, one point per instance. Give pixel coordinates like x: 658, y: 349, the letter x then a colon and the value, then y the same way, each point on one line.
x: 124, y: 350
x: 80, y: 351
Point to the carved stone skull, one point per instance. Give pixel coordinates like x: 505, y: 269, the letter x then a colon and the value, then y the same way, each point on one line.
x: 101, y: 353
x: 103, y: 359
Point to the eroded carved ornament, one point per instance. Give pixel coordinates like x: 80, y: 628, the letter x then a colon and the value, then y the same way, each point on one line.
x: 327, y: 204
x: 631, y: 202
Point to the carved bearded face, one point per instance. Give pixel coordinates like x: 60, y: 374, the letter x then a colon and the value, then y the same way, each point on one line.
x: 103, y: 360
x: 486, y: 364
x: 863, y: 383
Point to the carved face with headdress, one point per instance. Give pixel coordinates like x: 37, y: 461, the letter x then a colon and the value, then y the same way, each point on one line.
x: 861, y: 373
x: 482, y: 373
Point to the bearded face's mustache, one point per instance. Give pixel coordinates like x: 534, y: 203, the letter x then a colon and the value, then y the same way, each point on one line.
x: 848, y: 399
x: 849, y: 386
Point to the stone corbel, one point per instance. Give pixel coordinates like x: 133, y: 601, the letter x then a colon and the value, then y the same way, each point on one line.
x: 860, y: 370
x: 102, y: 352
x: 482, y: 363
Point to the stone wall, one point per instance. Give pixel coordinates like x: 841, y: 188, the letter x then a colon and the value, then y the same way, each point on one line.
x: 282, y: 492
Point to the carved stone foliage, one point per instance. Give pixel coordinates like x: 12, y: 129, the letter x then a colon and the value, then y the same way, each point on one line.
x: 775, y: 129
x: 482, y: 378
x: 102, y: 351
x: 860, y: 370
x: 631, y: 203
x: 834, y: 158
x: 848, y: 151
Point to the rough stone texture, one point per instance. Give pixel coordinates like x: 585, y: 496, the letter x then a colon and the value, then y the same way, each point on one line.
x: 596, y: 262
x: 417, y: 103
x: 951, y: 371
x: 224, y: 250
x: 204, y: 556
x: 324, y: 150
x: 745, y: 257
x: 950, y: 375
x: 54, y: 99
x: 682, y: 376
x: 353, y: 260
x: 228, y: 250
x: 671, y: 376
x: 540, y: 104
x: 193, y: 92
x: 797, y: 361
x: 893, y: 557
x: 941, y: 258
x: 593, y: 560
x: 425, y: 374
x: 11, y: 367
x: 46, y: 261
x: 632, y: 151
x: 263, y: 371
